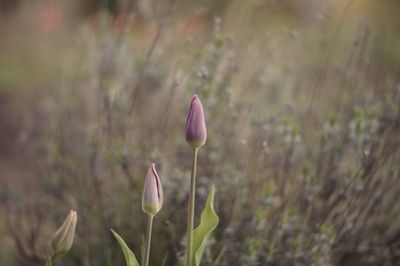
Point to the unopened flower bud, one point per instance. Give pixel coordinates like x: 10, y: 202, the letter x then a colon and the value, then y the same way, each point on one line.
x: 195, y: 130
x: 152, y: 198
x: 64, y: 237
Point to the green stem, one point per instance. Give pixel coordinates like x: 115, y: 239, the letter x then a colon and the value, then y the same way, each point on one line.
x: 190, y: 219
x: 49, y: 261
x: 148, y: 240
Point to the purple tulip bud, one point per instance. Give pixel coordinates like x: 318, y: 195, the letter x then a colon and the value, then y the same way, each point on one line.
x: 64, y: 237
x: 152, y: 198
x: 195, y: 130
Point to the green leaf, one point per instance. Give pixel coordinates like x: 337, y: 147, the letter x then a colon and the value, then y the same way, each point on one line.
x: 208, y: 221
x: 129, y: 256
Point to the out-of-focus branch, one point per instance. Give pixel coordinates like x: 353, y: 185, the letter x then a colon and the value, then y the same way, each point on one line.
x: 27, y: 254
x: 160, y: 30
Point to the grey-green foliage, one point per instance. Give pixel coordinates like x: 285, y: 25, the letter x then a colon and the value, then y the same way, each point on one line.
x: 306, y: 171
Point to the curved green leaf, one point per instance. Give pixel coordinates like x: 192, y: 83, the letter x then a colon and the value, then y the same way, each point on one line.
x: 129, y: 256
x: 208, y: 221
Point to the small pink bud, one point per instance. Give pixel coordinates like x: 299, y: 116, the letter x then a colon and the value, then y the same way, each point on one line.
x: 152, y: 198
x: 195, y: 130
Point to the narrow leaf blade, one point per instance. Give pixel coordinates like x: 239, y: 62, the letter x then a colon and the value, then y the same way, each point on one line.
x: 128, y: 254
x: 208, y: 222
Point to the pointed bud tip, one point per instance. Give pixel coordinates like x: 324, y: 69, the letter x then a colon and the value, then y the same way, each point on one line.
x: 73, y: 213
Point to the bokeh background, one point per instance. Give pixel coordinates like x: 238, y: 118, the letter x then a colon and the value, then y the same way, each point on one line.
x: 302, y: 101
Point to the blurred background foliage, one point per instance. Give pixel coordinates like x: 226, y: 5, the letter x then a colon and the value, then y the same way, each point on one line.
x: 302, y: 102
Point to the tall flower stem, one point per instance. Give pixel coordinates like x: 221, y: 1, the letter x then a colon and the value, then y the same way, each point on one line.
x: 49, y: 261
x: 190, y: 219
x: 148, y: 240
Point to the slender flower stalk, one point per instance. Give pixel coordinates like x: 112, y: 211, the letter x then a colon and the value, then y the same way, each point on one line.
x: 148, y: 240
x: 192, y: 197
x: 152, y: 201
x: 196, y: 135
